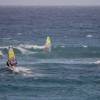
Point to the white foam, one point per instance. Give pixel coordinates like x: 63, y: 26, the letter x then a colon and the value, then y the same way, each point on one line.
x: 97, y: 62
x: 85, y: 46
x: 5, y: 38
x: 34, y: 75
x: 3, y: 47
x: 31, y: 46
x: 19, y: 33
x: 68, y: 61
x: 20, y: 48
x: 26, y: 46
x: 62, y: 46
x: 89, y: 36
x: 27, y: 72
x: 24, y: 51
x: 38, y: 47
x: 64, y: 61
x: 22, y: 70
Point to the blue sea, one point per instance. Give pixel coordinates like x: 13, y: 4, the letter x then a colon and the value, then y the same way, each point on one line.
x: 71, y: 71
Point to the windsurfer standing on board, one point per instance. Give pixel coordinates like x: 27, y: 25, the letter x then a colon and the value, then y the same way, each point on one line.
x: 11, y: 63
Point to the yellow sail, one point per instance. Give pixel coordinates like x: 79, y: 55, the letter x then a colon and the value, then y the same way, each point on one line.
x: 48, y: 41
x: 11, y: 54
x: 1, y: 53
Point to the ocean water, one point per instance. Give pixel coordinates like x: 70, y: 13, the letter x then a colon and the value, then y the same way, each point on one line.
x: 71, y: 71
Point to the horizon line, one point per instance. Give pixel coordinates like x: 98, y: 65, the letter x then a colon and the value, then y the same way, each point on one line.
x: 49, y: 5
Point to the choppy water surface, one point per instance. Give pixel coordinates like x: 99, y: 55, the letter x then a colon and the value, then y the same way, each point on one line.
x: 71, y: 71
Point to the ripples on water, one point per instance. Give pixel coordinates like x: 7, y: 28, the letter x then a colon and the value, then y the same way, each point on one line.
x: 71, y: 71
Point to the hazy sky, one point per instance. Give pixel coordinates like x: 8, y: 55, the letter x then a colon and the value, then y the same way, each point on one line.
x: 50, y: 2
